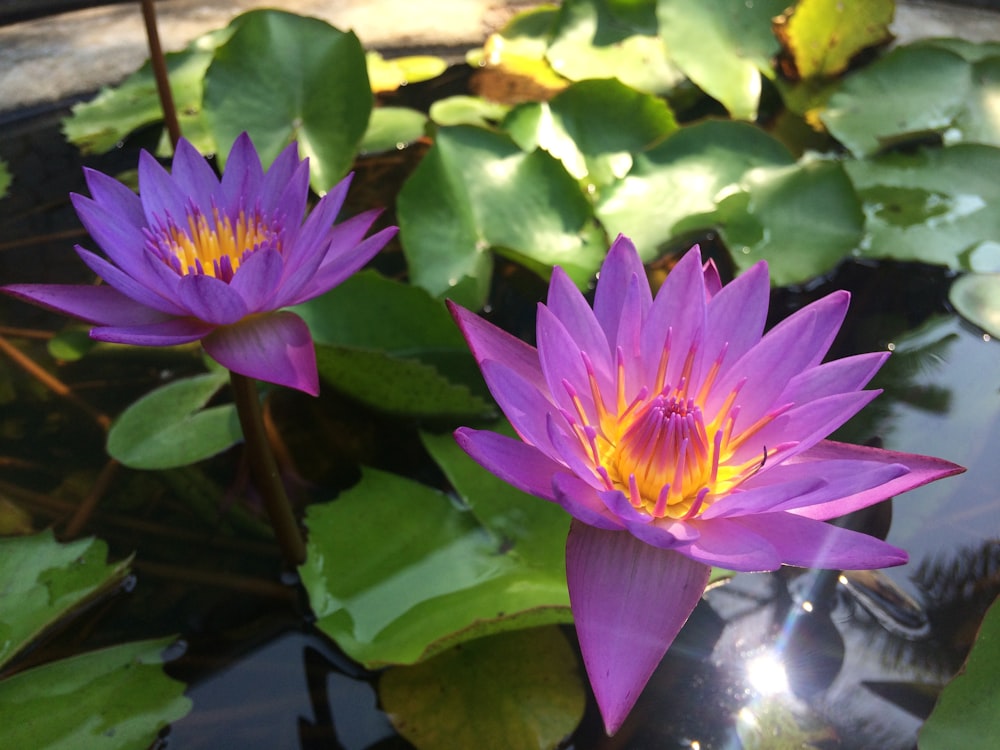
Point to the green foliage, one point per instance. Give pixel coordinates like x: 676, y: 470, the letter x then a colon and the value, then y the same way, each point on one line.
x: 114, y: 699
x: 396, y: 572
x: 965, y: 715
x: 392, y: 128
x: 5, y: 178
x: 512, y: 691
x: 273, y: 79
x: 44, y: 581
x: 976, y: 297
x: 171, y: 427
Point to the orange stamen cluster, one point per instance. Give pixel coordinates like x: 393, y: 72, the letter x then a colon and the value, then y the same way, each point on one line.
x: 217, y: 246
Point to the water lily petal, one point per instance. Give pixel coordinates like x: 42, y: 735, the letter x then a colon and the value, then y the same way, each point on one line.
x: 524, y: 405
x: 128, y: 286
x: 161, y: 196
x: 254, y: 279
x: 620, y: 266
x: 567, y: 304
x: 167, y: 333
x: 815, y: 544
x: 103, y: 305
x: 316, y: 231
x: 517, y: 463
x: 122, y: 241
x: 331, y: 274
x: 243, y: 174
x: 582, y: 502
x: 191, y: 173
x: 563, y: 365
x: 115, y: 196
x: 488, y: 342
x: 838, y: 376
x: 276, y: 348
x: 285, y: 170
x: 629, y: 602
x: 211, y: 300
x: 736, y: 316
x: 725, y: 543
x: 922, y: 469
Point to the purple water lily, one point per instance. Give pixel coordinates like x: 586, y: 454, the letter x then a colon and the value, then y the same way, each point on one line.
x: 680, y: 436
x: 195, y: 258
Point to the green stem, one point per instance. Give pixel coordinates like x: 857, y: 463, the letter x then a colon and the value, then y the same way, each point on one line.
x: 264, y: 470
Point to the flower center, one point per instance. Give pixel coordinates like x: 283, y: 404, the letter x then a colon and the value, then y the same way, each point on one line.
x: 213, y: 247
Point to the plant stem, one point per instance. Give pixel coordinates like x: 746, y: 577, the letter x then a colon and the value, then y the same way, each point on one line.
x: 159, y: 64
x: 264, y: 470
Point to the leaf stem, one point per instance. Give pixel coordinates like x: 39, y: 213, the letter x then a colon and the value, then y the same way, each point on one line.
x: 264, y: 470
x: 159, y: 63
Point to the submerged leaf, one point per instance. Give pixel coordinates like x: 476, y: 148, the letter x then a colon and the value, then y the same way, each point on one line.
x: 513, y: 691
x: 45, y: 581
x: 115, y: 699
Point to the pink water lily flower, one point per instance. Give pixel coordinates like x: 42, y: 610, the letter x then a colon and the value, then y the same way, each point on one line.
x: 195, y: 258
x: 680, y: 436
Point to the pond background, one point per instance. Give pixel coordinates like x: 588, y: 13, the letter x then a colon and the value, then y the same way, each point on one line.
x: 260, y: 679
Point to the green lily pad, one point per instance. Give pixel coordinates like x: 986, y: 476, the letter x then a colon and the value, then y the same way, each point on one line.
x: 971, y: 51
x: 467, y: 110
x: 593, y: 127
x: 938, y: 206
x: 170, y: 427
x: 45, y: 581
x: 723, y: 47
x: 99, y: 125
x: 965, y: 715
x: 283, y: 77
x: 114, y: 699
x: 5, y: 178
x: 976, y: 297
x: 397, y: 571
x: 389, y: 75
x: 591, y: 41
x: 474, y: 191
x: 676, y: 186
x: 979, y: 121
x: 910, y: 92
x: 71, y: 344
x: 513, y: 691
x: 822, y: 36
x: 392, y: 128
x: 802, y: 219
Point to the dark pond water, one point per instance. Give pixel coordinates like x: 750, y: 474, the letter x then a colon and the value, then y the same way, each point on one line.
x: 812, y: 657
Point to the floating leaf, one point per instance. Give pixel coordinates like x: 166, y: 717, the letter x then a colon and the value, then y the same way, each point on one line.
x: 396, y: 572
x: 966, y: 713
x: 114, y: 699
x: 283, y: 77
x: 99, y: 125
x: 45, y: 581
x: 979, y: 120
x: 392, y: 128
x: 976, y: 297
x: 822, y: 36
x: 513, y: 691
x: 389, y: 75
x: 675, y: 187
x: 170, y: 427
x: 467, y: 110
x: 5, y: 178
x: 589, y: 41
x: 802, y: 219
x: 71, y: 344
x: 722, y: 46
x: 593, y: 127
x: 910, y: 92
x: 939, y: 206
x: 476, y: 190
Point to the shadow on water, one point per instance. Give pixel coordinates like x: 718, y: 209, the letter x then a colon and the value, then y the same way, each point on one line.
x: 819, y: 659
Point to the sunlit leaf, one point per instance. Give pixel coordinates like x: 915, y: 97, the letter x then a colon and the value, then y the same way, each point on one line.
x: 100, y: 124
x: 389, y: 75
x: 44, y: 581
x: 5, y: 178
x: 467, y: 110
x: 512, y: 691
x: 170, y: 427
x: 115, y: 699
x: 675, y: 187
x: 283, y: 77
x: 392, y: 128
x: 397, y: 572
x: 939, y: 206
x: 592, y: 42
x: 723, y: 47
x: 70, y: 344
x: 965, y: 715
x: 593, y: 127
x: 821, y: 36
x: 979, y: 120
x: 476, y: 191
x: 801, y: 219
x: 976, y: 297
x: 910, y: 92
